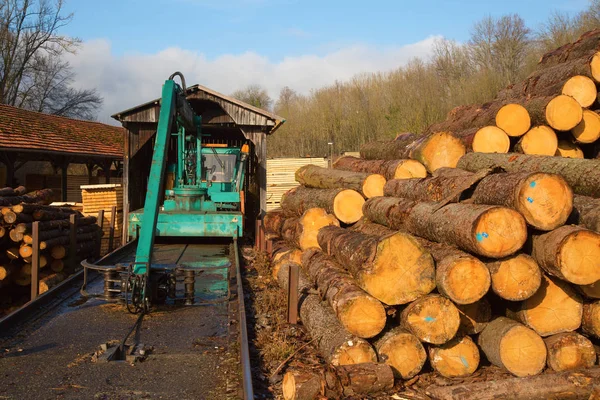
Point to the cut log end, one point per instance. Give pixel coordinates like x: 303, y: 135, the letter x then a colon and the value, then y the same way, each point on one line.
x: 539, y: 140
x: 373, y: 185
x: 582, y: 89
x: 298, y: 385
x: 568, y: 149
x: 442, y: 150
x: 588, y: 130
x: 491, y: 139
x: 347, y: 206
x: 311, y: 221
x: 410, y: 169
x: 595, y: 67
x: 568, y: 351
x: 579, y: 257
x: 355, y: 351
x: 515, y: 278
x: 545, y: 200
x: 474, y: 317
x: 364, y: 317
x: 563, y: 113
x: 405, y: 271
x: 456, y: 276
x: 590, y: 323
x: 403, y: 352
x: 433, y: 319
x: 513, y: 119
x: 500, y: 232
x: 455, y: 359
x: 522, y: 351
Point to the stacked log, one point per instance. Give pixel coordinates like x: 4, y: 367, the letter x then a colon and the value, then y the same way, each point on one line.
x: 20, y: 210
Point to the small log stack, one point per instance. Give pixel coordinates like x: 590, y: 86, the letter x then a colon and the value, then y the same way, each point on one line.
x: 493, y: 256
x: 20, y: 211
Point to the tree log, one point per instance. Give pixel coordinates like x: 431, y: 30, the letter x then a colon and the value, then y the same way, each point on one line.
x: 58, y: 252
x: 291, y: 255
x: 588, y: 130
x: 57, y: 265
x: 31, y: 208
x: 590, y: 323
x: 570, y: 385
x: 474, y: 317
x: 394, y: 269
x: 433, y: 319
x: 8, y: 191
x: 15, y: 235
x: 568, y: 351
x: 313, y: 176
x: 442, y: 187
x: 302, y: 232
x: 582, y: 175
x: 568, y: 149
x: 554, y: 308
x: 510, y: 345
x: 545, y: 200
x: 402, y: 351
x: 8, y: 270
x: 491, y: 139
x: 347, y: 381
x: 360, y: 314
x: 586, y: 212
x: 585, y: 46
x: 456, y: 359
x: 513, y: 119
x: 13, y: 253
x: 50, y: 215
x: 571, y: 253
x: 273, y: 221
x: 438, y: 150
x: 515, y: 278
x: 50, y: 281
x: 582, y: 89
x: 540, y: 140
x: 390, y: 169
x: 345, y: 204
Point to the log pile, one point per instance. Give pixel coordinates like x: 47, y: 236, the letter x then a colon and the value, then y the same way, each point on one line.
x: 475, y: 254
x: 17, y: 217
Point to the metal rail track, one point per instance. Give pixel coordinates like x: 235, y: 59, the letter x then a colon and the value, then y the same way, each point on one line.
x: 68, y: 290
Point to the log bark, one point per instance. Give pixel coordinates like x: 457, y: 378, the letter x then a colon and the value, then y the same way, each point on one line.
x: 456, y: 359
x: 58, y: 252
x: 568, y: 351
x: 585, y: 46
x: 390, y: 169
x: 510, y: 345
x: 545, y: 200
x: 369, y: 185
x: 302, y: 232
x: 346, y: 381
x: 491, y: 139
x: 554, y: 308
x: 50, y: 281
x: 515, y: 278
x: 588, y: 130
x: 586, y: 212
x: 540, y: 140
x: 402, y: 351
x: 31, y: 208
x: 438, y: 150
x: 433, y: 319
x: 394, y: 269
x: 292, y: 254
x: 474, y: 317
x: 590, y: 323
x: 57, y: 265
x: 514, y: 119
x: 273, y: 221
x: 571, y: 253
x: 561, y: 113
x: 446, y: 187
x: 570, y: 385
x: 360, y: 314
x: 8, y: 191
x: 581, y: 174
x: 345, y: 204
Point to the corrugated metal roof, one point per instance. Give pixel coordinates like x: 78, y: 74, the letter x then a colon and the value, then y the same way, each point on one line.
x: 22, y: 129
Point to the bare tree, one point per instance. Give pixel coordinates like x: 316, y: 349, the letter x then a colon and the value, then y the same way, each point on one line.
x: 32, y: 72
x: 559, y: 29
x: 254, y: 95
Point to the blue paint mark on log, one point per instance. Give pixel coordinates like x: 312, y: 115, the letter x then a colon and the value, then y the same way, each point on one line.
x: 529, y: 199
x: 481, y: 235
x: 464, y: 361
x: 532, y: 184
x: 429, y: 319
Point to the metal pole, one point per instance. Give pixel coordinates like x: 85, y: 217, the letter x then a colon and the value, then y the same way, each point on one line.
x: 111, y: 232
x: 72, y: 241
x: 35, y: 260
x: 293, y: 277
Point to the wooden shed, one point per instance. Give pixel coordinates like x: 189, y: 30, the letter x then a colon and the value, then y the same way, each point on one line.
x: 225, y: 119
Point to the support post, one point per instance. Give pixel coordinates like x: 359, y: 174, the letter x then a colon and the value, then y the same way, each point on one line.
x: 72, y: 242
x: 63, y: 179
x: 294, y: 276
x: 35, y: 260
x: 111, y: 232
x: 100, y: 223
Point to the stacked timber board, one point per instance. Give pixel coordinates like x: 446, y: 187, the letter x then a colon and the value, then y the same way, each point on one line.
x: 496, y: 261
x: 104, y: 197
x: 19, y: 210
x: 280, y: 176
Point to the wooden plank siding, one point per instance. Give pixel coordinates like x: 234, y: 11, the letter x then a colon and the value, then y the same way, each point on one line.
x: 280, y: 176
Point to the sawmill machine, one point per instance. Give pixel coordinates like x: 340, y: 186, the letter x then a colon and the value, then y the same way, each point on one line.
x: 194, y: 191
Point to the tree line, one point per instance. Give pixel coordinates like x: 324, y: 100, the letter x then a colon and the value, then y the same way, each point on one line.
x: 501, y: 51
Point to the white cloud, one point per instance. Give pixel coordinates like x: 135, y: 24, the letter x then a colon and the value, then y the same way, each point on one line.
x: 129, y: 80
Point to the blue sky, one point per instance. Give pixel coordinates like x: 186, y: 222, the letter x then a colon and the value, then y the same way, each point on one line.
x: 130, y: 46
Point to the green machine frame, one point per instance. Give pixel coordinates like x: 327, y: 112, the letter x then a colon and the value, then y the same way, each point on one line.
x: 207, y: 180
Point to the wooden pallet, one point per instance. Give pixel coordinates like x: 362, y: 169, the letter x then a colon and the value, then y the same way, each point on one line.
x: 280, y: 176
x: 101, y: 197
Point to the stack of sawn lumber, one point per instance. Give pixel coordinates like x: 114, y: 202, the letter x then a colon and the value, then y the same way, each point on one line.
x: 18, y: 212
